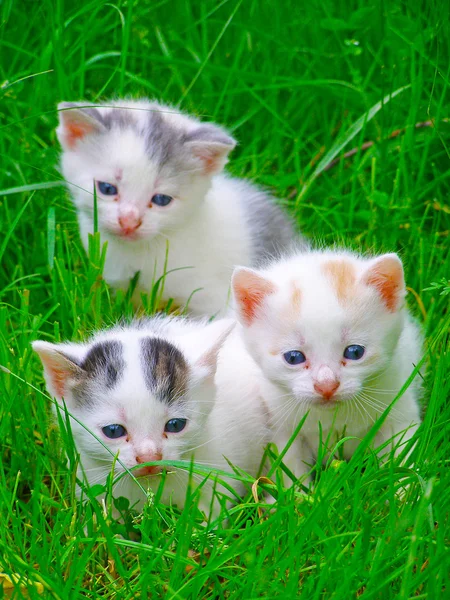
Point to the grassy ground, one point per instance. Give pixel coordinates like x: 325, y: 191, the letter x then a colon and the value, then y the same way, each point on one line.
x: 298, y: 84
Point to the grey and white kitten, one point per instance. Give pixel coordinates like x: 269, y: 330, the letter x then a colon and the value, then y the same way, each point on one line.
x: 158, y: 178
x: 157, y: 391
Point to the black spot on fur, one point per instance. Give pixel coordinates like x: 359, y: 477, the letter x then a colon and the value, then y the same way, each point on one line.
x: 165, y: 369
x: 104, y: 360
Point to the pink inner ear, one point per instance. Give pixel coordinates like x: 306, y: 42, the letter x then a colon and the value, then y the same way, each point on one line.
x: 59, y: 377
x: 211, y: 158
x: 59, y: 368
x: 75, y: 131
x: 387, y: 277
x: 250, y: 294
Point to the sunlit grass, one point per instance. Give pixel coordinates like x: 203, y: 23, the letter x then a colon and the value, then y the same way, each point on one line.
x: 298, y: 84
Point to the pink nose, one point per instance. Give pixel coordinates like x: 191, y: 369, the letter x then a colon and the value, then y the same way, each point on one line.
x: 130, y: 221
x: 148, y: 457
x: 327, y: 387
x: 149, y: 469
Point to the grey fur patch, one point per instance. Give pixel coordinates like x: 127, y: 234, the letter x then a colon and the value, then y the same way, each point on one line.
x: 272, y: 231
x: 165, y: 369
x: 162, y: 141
x: 120, y: 118
x: 105, y: 361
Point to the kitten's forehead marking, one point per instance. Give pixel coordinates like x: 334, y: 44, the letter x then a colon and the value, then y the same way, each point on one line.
x: 296, y: 298
x: 105, y: 360
x: 165, y: 369
x: 342, y: 276
x: 118, y: 117
x: 161, y: 140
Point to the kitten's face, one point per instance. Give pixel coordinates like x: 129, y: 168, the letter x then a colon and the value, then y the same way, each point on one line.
x: 322, y: 325
x: 139, y: 394
x: 150, y: 166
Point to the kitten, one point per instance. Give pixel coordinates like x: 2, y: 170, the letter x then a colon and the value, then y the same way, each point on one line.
x: 330, y: 331
x: 158, y: 179
x: 148, y: 392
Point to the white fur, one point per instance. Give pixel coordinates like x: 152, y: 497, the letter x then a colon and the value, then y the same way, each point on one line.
x: 225, y: 419
x: 205, y: 226
x: 322, y: 328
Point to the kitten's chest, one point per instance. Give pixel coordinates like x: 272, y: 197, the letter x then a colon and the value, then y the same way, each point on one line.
x: 185, y: 271
x: 330, y: 426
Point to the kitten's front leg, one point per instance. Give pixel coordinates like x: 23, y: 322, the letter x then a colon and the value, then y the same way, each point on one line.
x: 297, y: 458
x: 399, y: 433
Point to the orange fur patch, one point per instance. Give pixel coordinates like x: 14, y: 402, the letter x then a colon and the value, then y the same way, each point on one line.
x: 296, y: 298
x: 341, y: 274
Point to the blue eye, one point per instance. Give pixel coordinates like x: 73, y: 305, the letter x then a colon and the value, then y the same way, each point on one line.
x: 108, y: 189
x: 114, y: 431
x: 175, y: 425
x: 294, y: 357
x: 354, y: 352
x: 161, y: 199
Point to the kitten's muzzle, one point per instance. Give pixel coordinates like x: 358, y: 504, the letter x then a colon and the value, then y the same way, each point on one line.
x: 326, y: 383
x: 148, y: 469
x: 129, y: 220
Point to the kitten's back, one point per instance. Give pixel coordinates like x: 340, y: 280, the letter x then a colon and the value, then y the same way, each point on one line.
x: 270, y: 230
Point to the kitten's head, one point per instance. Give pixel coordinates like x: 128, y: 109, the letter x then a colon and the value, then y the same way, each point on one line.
x: 146, y: 394
x: 150, y: 165
x: 322, y: 324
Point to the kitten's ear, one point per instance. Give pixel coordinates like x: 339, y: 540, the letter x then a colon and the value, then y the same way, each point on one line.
x: 250, y: 289
x: 76, y: 121
x: 217, y: 332
x: 211, y: 145
x: 59, y: 368
x: 385, y: 273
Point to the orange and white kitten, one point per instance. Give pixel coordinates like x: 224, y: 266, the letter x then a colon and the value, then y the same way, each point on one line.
x: 331, y: 332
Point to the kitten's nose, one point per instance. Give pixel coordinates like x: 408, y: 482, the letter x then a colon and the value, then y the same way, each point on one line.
x: 149, y: 469
x: 326, y: 383
x: 129, y: 220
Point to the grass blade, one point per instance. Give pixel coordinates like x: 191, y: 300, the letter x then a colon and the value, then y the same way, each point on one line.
x: 343, y: 140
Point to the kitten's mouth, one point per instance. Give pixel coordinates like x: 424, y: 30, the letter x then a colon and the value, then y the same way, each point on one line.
x: 149, y: 470
x: 131, y: 236
x: 327, y: 403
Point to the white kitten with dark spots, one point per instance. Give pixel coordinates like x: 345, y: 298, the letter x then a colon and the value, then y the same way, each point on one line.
x: 158, y: 179
x: 331, y: 332
x: 151, y: 392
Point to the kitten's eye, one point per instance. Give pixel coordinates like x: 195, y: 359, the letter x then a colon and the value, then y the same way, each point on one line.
x: 108, y: 189
x: 161, y: 199
x: 175, y: 425
x: 354, y: 352
x: 294, y: 357
x: 114, y: 431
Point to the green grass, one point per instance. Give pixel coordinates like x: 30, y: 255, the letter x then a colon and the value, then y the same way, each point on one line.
x: 299, y: 84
